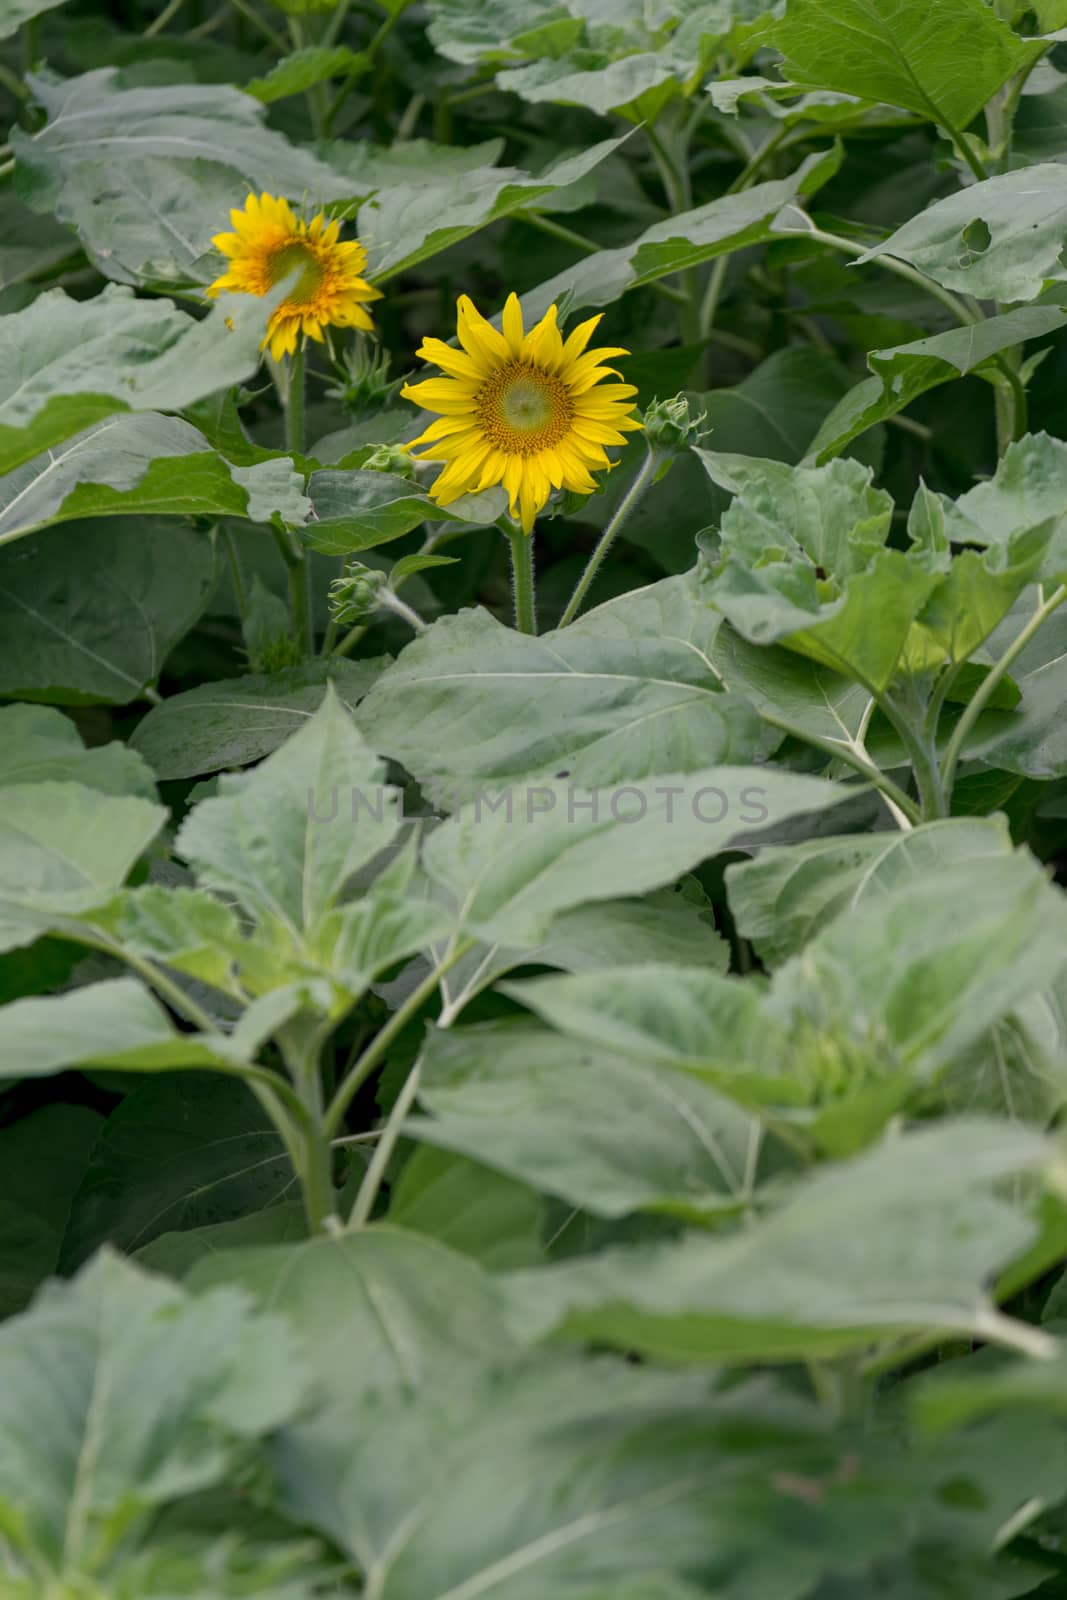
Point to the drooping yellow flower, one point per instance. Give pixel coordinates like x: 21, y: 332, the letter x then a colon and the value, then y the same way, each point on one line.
x: 527, y: 410
x: 268, y: 244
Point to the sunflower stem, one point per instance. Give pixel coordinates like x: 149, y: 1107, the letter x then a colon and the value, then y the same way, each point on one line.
x: 642, y: 479
x: 522, y: 578
x: 299, y: 587
x: 350, y: 640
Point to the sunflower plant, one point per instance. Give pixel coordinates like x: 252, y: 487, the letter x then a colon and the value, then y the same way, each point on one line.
x: 533, y: 948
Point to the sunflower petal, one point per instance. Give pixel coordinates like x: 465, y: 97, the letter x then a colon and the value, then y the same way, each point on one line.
x: 455, y: 362
x: 512, y: 324
x: 478, y: 337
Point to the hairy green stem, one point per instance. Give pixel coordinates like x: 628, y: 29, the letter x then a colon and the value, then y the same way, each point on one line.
x: 350, y: 640
x: 391, y: 601
x: 922, y: 753
x: 371, y: 51
x: 251, y: 15
x: 759, y: 158
x: 1011, y: 402
x: 378, y: 1046
x: 233, y: 560
x: 964, y: 147
x: 316, y: 1179
x: 166, y: 15
x: 299, y: 587
x: 986, y: 688
x: 12, y: 82
x: 852, y: 758
x: 173, y: 993
x: 900, y: 268
x: 709, y: 305
x: 642, y: 479
x: 372, y: 1178
x: 522, y: 578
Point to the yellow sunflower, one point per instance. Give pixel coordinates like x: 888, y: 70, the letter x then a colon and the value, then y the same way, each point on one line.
x: 528, y: 410
x: 268, y: 244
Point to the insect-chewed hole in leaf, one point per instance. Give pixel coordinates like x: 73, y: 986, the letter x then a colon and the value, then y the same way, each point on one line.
x: 976, y: 235
x: 976, y: 239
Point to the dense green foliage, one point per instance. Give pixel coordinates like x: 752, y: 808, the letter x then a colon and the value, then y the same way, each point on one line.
x: 553, y: 1093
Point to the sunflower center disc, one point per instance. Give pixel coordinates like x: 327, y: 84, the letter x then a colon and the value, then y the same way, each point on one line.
x: 296, y: 258
x: 524, y: 410
x: 526, y: 405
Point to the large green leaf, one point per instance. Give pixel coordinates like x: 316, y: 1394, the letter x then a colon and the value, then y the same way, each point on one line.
x: 38, y: 744
x: 181, y: 1151
x: 240, y: 720
x: 147, y: 173
x: 470, y: 1208
x: 511, y: 859
x: 680, y: 242
x: 116, y: 1023
x: 672, y: 925
x: 801, y: 694
x: 941, y: 58
x: 16, y: 13
x: 91, y: 611
x: 359, y: 510
x: 1015, y: 1070
x: 627, y: 692
x: 902, y: 1239
x: 608, y: 1480
x: 119, y: 1394
x: 590, y: 78
x: 35, y: 1204
x: 183, y: 928
x: 501, y: 30
x: 584, y: 1123
x: 65, y: 849
x: 510, y: 1502
x: 306, y: 67
x: 1032, y: 739
x: 802, y: 562
x: 897, y: 986
x: 1000, y: 239
x: 906, y: 371
x: 412, y: 1309
x: 175, y: 1254
x: 783, y: 897
x: 1026, y: 490
x: 776, y: 410
x: 144, y: 465
x: 687, y: 1019
x: 66, y: 364
x: 285, y: 838
x: 202, y: 1563
x: 405, y: 224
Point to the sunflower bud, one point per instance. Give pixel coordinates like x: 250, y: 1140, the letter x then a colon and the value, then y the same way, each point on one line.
x: 670, y: 426
x: 390, y: 458
x: 357, y: 595
x: 364, y: 385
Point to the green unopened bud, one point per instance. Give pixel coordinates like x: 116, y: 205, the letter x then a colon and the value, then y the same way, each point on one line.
x: 357, y: 595
x: 364, y: 384
x: 390, y: 458
x: 670, y: 426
